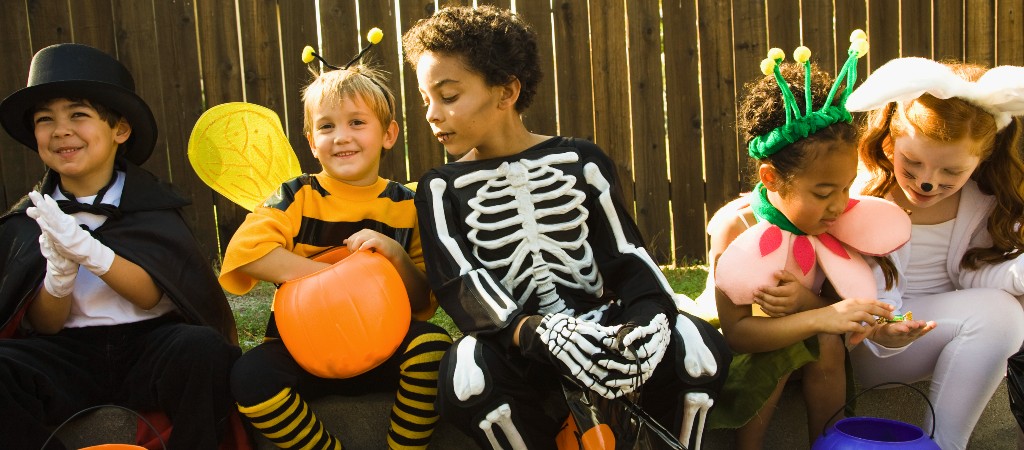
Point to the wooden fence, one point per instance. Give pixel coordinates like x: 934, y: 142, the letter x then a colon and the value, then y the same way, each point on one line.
x: 655, y: 83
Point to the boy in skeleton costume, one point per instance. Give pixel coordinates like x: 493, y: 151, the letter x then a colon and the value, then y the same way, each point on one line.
x: 529, y: 249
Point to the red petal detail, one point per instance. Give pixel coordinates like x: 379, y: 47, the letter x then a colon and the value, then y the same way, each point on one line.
x: 771, y: 239
x: 833, y: 245
x: 803, y: 251
x: 850, y: 204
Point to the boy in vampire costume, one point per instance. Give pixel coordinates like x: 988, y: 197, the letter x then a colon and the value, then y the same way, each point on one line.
x: 105, y: 297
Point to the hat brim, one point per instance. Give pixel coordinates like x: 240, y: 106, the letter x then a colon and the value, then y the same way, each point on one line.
x: 139, y: 146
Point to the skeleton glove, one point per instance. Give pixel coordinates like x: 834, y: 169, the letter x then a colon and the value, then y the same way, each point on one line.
x: 68, y: 239
x: 60, y: 271
x: 586, y: 350
x: 644, y: 347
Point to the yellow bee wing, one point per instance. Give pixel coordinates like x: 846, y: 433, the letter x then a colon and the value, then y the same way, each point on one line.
x: 240, y: 151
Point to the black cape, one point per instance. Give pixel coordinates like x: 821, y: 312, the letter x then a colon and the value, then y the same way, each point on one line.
x: 151, y: 233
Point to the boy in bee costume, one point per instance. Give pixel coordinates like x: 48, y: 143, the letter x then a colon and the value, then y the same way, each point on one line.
x: 349, y: 123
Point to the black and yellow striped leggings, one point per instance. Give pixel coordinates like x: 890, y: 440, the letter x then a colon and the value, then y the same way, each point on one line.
x: 267, y: 383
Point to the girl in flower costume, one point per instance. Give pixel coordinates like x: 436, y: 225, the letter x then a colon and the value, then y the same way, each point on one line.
x: 808, y: 232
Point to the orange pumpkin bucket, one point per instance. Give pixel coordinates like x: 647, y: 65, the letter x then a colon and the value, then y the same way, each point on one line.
x: 114, y: 447
x: 599, y: 437
x: 346, y: 319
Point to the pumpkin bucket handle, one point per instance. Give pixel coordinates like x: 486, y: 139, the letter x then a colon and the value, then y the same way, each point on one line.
x: 92, y: 408
x: 931, y: 408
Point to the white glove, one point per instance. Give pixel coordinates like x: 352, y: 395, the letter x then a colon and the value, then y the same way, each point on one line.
x: 67, y: 237
x: 60, y: 271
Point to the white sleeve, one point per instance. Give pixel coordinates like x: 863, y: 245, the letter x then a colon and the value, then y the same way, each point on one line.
x: 1007, y: 275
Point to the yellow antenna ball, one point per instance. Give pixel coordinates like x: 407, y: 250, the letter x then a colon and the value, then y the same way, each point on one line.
x: 857, y: 35
x: 374, y: 35
x: 860, y: 46
x: 776, y: 54
x: 767, y: 66
x: 802, y: 54
x: 307, y: 54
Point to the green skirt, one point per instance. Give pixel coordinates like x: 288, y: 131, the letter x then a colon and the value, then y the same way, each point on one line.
x: 752, y: 379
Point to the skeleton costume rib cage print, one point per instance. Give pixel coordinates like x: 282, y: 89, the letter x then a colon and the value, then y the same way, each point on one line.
x: 544, y: 233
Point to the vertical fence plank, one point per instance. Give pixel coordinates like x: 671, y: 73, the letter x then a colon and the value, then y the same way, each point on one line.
x: 423, y: 149
x: 49, y: 22
x: 340, y: 33
x: 611, y: 97
x: 883, y: 32
x: 819, y: 35
x: 93, y: 24
x: 851, y: 15
x: 261, y: 55
x: 220, y: 59
x: 783, y: 25
x: 298, y: 29
x: 182, y: 106
x: 647, y: 112
x: 1010, y: 32
x: 916, y: 28
x: 375, y: 13
x: 135, y: 29
x: 21, y: 167
x: 718, y: 91
x: 980, y: 42
x: 751, y: 44
x: 682, y: 89
x: 540, y: 117
x: 572, y: 69
x: 948, y: 30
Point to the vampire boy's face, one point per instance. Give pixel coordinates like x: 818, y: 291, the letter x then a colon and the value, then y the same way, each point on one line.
x: 75, y: 141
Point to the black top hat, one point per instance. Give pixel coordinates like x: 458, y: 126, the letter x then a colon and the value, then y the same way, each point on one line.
x: 79, y: 71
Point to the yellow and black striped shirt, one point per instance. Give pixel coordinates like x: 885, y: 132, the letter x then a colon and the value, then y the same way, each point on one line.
x: 313, y: 213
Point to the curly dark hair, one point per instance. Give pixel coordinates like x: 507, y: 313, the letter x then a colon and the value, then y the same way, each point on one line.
x: 763, y: 110
x: 493, y: 42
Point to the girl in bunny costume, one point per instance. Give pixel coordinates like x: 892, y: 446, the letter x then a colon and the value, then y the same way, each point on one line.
x: 943, y: 141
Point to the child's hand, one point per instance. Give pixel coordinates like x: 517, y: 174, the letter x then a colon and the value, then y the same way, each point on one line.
x: 899, y: 334
x: 783, y: 299
x: 67, y: 237
x: 60, y: 271
x: 367, y: 239
x: 855, y: 315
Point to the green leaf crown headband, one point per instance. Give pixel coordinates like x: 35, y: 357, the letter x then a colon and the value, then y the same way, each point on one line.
x: 799, y: 126
x: 373, y: 37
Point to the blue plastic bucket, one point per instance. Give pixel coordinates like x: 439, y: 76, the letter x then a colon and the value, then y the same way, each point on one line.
x: 868, y: 433
x: 872, y: 433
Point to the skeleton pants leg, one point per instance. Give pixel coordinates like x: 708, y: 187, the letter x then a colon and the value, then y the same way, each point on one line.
x: 521, y: 401
x: 675, y: 399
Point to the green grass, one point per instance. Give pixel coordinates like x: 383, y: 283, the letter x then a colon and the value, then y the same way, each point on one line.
x: 252, y: 310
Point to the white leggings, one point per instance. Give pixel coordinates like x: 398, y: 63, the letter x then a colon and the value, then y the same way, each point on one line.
x: 965, y: 356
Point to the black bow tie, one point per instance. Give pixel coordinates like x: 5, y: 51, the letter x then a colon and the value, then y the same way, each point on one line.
x: 71, y: 205
x: 102, y: 209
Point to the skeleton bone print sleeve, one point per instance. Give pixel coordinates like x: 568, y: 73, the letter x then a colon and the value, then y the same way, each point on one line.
x: 539, y: 232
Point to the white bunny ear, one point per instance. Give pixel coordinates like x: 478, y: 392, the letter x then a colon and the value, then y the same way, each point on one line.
x: 1000, y: 91
x: 905, y: 79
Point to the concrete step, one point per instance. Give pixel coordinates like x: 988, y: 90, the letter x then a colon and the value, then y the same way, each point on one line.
x: 362, y: 422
